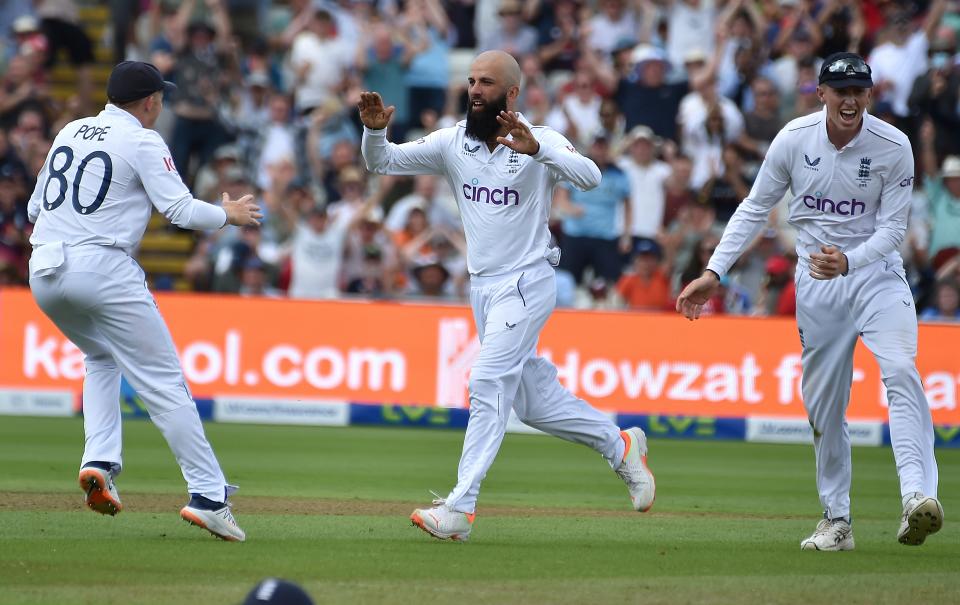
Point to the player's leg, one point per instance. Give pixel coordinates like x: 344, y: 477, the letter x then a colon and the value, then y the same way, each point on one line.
x: 888, y: 323
x: 103, y: 442
x: 828, y: 338
x: 507, y: 336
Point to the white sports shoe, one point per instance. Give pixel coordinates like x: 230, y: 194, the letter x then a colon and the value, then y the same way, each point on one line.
x: 219, y: 522
x: 102, y: 495
x: 922, y: 516
x: 443, y: 523
x: 831, y: 534
x: 634, y: 471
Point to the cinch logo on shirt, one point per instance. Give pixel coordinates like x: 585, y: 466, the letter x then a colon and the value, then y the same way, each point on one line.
x: 849, y: 207
x: 503, y: 196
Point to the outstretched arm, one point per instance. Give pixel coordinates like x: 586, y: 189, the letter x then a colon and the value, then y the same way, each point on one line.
x: 424, y: 156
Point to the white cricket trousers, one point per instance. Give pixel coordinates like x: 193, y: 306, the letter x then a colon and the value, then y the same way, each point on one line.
x: 509, y: 311
x: 99, y: 299
x: 873, y: 302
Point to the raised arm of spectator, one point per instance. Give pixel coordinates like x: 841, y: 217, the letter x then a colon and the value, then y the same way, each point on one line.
x: 181, y: 19
x: 709, y: 72
x: 604, y: 72
x: 221, y: 23
x: 296, y: 25
x: 647, y: 14
x: 934, y: 15
x: 857, y: 27
x: 531, y: 8
x: 437, y: 17
x: 373, y: 200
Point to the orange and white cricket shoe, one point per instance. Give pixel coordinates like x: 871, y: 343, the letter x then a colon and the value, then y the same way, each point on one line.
x: 443, y: 523
x: 102, y: 495
x: 634, y: 470
x: 215, y: 517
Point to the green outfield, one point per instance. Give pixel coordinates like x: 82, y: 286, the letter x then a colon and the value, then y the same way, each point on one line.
x: 328, y: 508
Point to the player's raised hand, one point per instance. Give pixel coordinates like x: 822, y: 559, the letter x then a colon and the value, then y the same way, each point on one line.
x: 242, y: 212
x: 523, y: 141
x: 696, y: 294
x: 828, y: 265
x: 372, y: 112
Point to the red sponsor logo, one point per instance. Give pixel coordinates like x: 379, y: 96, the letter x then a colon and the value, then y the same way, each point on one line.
x: 168, y: 162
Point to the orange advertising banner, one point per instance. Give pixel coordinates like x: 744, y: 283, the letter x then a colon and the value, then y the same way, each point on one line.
x: 405, y: 353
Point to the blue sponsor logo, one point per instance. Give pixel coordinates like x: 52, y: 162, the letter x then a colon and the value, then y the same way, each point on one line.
x: 498, y: 196
x: 470, y: 149
x: 851, y: 207
x: 906, y: 182
x: 810, y: 162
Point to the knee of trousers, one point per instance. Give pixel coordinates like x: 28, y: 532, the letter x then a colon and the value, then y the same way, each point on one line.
x: 166, y: 399
x: 100, y: 363
x: 485, y: 391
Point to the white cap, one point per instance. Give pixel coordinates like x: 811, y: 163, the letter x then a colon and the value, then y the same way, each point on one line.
x: 951, y: 166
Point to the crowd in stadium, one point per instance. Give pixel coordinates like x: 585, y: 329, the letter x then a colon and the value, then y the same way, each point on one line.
x: 675, y: 100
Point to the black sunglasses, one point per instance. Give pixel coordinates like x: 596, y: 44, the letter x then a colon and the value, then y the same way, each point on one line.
x: 848, y: 66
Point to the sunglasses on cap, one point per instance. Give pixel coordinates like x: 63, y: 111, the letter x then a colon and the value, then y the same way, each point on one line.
x: 849, y: 66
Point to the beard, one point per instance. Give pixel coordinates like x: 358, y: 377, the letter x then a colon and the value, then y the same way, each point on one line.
x: 482, y: 124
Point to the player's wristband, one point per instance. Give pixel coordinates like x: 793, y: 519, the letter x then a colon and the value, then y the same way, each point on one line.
x: 845, y: 273
x: 717, y: 275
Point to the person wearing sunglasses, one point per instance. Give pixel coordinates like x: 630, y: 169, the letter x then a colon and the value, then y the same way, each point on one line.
x: 850, y: 178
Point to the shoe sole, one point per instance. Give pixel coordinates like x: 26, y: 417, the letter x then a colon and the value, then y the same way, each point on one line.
x: 926, y: 519
x: 417, y: 520
x: 98, y: 498
x: 192, y: 519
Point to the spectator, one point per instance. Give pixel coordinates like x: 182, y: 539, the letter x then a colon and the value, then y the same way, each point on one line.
x: 727, y: 188
x: 428, y: 74
x: 779, y: 295
x: 319, y: 58
x: 613, y: 23
x: 646, y: 176
x: 943, y: 194
x: 369, y: 246
x: 936, y: 94
x: 946, y: 306
x: 645, y: 97
x: 60, y: 20
x: 433, y: 197
x: 20, y: 89
x: 761, y: 124
x: 383, y: 62
x: 646, y: 286
x: 677, y: 191
x: 277, y: 139
x: 560, y: 37
x: 900, y: 60
x: 254, y: 280
x: 591, y: 237
x: 705, y: 140
x: 213, y: 174
x: 694, y: 267
x: 691, y: 235
x: 512, y: 35
x: 690, y: 25
x: 578, y: 115
x: 785, y: 71
x: 431, y: 279
x: 202, y: 65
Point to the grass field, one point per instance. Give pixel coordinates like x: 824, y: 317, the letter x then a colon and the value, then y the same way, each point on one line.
x: 328, y: 508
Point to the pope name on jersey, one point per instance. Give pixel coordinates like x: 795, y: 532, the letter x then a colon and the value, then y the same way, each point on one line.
x: 504, y: 196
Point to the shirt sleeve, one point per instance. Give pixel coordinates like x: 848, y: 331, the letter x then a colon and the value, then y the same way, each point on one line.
x: 423, y: 156
x: 167, y: 191
x: 565, y: 162
x: 35, y: 203
x: 751, y: 215
x: 895, y: 199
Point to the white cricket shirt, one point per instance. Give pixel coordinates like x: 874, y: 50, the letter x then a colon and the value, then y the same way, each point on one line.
x: 504, y: 197
x: 856, y: 198
x: 100, y: 179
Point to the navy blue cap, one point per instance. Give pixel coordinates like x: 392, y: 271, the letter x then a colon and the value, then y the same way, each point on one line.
x: 277, y: 592
x: 645, y: 245
x: 841, y: 70
x: 132, y: 80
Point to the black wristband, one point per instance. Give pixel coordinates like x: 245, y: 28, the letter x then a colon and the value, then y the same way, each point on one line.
x: 848, y: 265
x: 714, y: 272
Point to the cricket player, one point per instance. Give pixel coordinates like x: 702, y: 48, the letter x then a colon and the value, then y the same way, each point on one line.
x: 503, y: 171
x: 93, y: 198
x: 850, y: 177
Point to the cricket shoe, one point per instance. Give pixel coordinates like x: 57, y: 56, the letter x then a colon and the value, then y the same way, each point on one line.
x: 102, y: 495
x: 634, y: 470
x: 831, y: 534
x: 922, y: 516
x: 443, y: 523
x: 215, y: 517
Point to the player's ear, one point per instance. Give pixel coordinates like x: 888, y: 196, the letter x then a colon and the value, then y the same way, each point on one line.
x: 821, y: 90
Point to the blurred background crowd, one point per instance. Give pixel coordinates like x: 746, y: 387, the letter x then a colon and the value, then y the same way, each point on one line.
x: 676, y: 101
